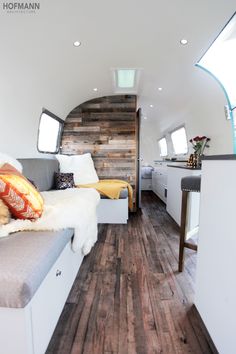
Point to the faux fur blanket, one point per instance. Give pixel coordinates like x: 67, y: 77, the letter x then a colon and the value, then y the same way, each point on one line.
x: 70, y: 208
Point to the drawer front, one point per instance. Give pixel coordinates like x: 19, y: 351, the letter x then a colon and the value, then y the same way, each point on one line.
x: 159, y: 182
x: 50, y: 298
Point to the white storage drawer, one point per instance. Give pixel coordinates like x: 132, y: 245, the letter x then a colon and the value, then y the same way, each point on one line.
x: 146, y: 184
x: 50, y: 298
x: 159, y: 181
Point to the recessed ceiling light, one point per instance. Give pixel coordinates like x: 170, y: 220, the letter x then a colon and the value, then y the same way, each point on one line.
x: 145, y: 118
x: 151, y: 105
x: 183, y: 41
x: 159, y: 88
x: 95, y: 89
x: 77, y: 43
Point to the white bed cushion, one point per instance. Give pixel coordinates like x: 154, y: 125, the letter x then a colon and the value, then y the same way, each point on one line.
x: 4, y: 158
x: 81, y: 165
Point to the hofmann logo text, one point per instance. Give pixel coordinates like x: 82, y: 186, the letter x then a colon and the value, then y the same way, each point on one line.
x: 21, y: 7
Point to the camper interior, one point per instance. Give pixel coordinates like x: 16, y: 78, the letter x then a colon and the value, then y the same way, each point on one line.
x: 117, y: 177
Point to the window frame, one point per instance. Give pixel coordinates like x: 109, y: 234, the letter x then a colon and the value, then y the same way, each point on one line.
x: 59, y: 136
x: 164, y: 137
x: 173, y: 131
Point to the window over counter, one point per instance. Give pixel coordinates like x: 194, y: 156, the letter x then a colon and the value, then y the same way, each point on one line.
x: 179, y: 141
x: 49, y: 133
x: 219, y: 61
x: 163, y: 147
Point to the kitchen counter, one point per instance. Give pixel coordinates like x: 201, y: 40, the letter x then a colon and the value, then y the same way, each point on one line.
x: 169, y: 160
x: 184, y: 167
x: 220, y: 157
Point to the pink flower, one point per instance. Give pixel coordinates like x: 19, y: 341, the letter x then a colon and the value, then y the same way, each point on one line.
x: 199, y: 143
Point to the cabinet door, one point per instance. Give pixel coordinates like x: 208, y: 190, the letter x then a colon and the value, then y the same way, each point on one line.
x: 154, y: 181
x: 159, y: 183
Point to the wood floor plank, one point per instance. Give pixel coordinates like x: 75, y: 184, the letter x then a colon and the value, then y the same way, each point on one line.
x: 128, y: 297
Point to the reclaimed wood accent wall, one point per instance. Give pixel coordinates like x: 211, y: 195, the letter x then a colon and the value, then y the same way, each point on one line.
x: 107, y: 128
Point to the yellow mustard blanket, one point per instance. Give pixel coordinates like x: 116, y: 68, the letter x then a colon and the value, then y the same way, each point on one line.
x: 111, y: 188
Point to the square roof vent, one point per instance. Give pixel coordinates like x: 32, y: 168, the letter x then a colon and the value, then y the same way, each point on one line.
x: 125, y: 80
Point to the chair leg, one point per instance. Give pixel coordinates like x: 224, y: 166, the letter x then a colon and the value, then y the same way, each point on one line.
x: 182, y: 229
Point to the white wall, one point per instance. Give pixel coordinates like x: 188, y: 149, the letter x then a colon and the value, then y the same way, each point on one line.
x: 40, y: 67
x: 202, y: 114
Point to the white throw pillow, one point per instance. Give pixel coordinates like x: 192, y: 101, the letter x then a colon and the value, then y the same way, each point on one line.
x: 4, y: 158
x: 81, y: 165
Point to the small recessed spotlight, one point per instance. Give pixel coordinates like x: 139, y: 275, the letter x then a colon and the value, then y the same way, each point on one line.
x: 183, y: 41
x: 77, y: 43
x: 151, y: 105
x: 95, y: 89
x: 145, y: 118
x: 159, y: 88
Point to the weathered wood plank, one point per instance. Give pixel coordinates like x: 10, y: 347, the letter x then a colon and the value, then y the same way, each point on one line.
x: 105, y: 127
x: 128, y: 296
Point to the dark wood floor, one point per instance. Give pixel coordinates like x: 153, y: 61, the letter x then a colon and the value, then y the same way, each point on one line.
x: 128, y: 296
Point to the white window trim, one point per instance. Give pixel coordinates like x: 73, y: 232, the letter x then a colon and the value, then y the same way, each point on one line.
x: 45, y: 111
x: 164, y: 137
x: 173, y: 131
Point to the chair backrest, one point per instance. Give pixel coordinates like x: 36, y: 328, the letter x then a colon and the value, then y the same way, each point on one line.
x: 191, y: 184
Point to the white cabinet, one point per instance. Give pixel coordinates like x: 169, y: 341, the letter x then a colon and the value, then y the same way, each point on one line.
x: 146, y: 184
x: 49, y: 300
x: 174, y: 195
x: 216, y: 280
x: 159, y: 181
x: 28, y: 330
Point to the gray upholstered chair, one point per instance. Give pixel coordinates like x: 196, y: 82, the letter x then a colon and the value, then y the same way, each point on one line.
x: 188, y: 184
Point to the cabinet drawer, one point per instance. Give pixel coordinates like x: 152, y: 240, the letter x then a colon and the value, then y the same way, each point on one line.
x: 161, y: 191
x: 50, y: 298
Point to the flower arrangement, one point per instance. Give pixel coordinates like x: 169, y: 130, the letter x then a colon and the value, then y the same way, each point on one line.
x: 199, y: 144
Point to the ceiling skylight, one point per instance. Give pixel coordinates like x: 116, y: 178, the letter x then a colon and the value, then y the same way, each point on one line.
x: 126, y: 78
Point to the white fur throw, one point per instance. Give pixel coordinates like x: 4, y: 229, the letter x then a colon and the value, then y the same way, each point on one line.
x: 70, y: 208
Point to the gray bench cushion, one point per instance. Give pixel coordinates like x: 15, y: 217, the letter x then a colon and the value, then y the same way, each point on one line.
x: 25, y: 260
x: 40, y: 171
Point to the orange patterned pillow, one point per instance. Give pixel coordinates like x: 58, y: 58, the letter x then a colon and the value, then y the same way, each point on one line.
x: 21, y: 197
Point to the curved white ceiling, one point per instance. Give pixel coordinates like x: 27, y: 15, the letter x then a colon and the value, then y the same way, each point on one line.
x: 38, y: 49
